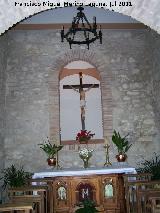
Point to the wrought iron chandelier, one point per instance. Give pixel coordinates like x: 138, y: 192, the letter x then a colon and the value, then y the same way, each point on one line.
x: 81, y: 31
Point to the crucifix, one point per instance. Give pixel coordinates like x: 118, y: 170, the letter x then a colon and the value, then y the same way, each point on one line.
x: 80, y: 89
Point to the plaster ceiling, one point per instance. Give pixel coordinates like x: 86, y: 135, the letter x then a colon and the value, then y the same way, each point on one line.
x: 144, y: 11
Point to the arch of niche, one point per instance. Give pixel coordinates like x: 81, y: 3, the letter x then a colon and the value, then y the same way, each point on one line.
x: 54, y: 74
x: 145, y: 11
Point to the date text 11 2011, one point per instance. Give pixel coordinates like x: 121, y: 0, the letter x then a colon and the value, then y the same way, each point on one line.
x: 121, y: 3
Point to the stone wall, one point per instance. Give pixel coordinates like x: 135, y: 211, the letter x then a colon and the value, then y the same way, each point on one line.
x: 3, y: 60
x: 155, y: 83
x: 132, y: 108
x: 34, y: 62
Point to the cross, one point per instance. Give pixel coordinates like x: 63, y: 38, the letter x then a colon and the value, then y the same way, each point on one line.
x: 80, y: 89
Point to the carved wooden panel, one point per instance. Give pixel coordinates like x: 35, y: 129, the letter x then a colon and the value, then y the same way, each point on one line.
x: 85, y: 187
x: 84, y: 191
x: 109, y: 191
x: 61, y: 195
x: 106, y: 190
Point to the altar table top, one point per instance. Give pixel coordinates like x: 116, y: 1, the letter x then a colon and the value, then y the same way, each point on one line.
x: 80, y: 172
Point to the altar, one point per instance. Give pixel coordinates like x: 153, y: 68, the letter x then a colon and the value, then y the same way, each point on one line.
x: 70, y: 187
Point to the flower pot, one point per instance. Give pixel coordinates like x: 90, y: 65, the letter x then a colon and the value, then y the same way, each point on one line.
x: 52, y: 161
x: 83, y: 141
x: 121, y: 157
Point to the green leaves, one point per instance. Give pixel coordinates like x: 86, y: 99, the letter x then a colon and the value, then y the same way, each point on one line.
x: 121, y: 143
x: 50, y: 149
x: 88, y: 207
x: 151, y: 166
x: 14, y: 177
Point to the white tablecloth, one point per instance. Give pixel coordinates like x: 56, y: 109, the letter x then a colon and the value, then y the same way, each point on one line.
x: 77, y: 172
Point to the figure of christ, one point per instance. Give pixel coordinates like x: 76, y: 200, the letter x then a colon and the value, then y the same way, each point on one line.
x: 80, y: 89
x: 82, y: 93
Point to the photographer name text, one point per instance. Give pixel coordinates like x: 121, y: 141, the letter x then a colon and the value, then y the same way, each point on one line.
x: 110, y: 4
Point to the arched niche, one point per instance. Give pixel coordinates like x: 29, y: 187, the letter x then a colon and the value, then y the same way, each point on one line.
x: 101, y: 66
x: 70, y: 104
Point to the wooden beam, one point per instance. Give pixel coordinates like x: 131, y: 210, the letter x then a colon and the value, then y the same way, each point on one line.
x: 77, y: 86
x: 67, y: 25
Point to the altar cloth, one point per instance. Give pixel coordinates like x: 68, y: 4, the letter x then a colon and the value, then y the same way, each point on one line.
x: 77, y: 172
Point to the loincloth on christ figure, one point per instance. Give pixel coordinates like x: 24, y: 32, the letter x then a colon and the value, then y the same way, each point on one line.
x: 82, y: 103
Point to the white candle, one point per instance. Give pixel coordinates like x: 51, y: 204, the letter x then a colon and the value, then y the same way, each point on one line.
x: 106, y: 141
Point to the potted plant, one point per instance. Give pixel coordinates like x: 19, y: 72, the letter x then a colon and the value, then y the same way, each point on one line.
x: 151, y: 166
x: 84, y: 136
x: 122, y: 145
x: 51, y: 150
x: 14, y: 177
x: 88, y: 207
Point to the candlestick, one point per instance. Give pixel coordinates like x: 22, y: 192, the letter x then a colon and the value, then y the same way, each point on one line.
x: 106, y: 140
x: 57, y: 163
x: 107, y: 163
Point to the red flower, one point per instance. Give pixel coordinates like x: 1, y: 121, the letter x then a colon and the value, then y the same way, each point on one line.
x: 83, y: 135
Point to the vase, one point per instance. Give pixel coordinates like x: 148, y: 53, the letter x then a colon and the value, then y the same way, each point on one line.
x: 85, y: 154
x: 121, y: 157
x: 85, y: 163
x: 52, y: 161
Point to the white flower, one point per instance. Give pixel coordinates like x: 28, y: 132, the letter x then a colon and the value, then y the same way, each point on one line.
x: 85, y: 153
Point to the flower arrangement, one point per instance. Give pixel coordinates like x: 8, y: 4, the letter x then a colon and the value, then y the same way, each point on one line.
x: 85, y: 155
x: 49, y: 148
x: 121, y: 142
x: 52, y: 152
x: 122, y: 145
x: 83, y: 135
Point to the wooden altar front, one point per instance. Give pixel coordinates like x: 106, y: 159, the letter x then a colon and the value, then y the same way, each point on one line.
x: 104, y: 186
